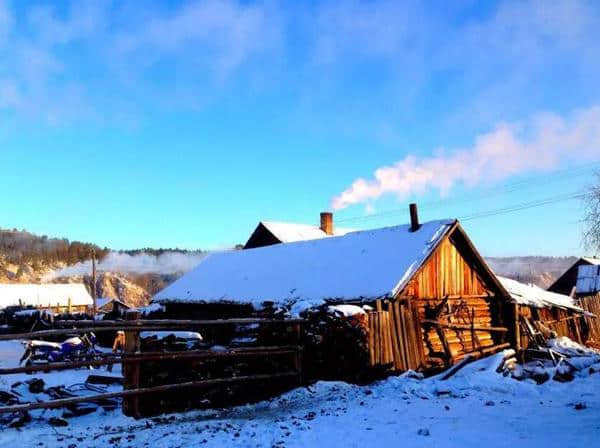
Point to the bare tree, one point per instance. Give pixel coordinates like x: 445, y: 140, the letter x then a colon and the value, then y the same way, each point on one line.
x: 591, y: 218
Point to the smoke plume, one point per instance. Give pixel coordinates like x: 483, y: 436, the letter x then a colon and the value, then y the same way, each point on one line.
x: 165, y: 263
x: 540, y: 144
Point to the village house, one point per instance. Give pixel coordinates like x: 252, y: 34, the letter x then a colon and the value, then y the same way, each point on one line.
x: 429, y: 297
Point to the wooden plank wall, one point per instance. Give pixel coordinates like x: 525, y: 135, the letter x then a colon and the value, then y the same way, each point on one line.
x: 592, y: 305
x: 448, y: 285
x: 395, y: 337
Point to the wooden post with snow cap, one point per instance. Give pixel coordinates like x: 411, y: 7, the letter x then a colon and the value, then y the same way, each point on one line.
x: 131, y: 371
x: 297, y: 330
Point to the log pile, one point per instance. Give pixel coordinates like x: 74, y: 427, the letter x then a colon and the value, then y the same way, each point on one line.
x: 335, y: 347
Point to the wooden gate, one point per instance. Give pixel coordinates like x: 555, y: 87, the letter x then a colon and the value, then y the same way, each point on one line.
x: 395, y: 340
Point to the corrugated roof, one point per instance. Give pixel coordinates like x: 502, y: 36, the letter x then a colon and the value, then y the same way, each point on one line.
x: 532, y: 295
x: 362, y: 264
x: 44, y: 295
x: 287, y: 232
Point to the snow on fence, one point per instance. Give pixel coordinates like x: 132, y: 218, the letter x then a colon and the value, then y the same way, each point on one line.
x: 133, y: 359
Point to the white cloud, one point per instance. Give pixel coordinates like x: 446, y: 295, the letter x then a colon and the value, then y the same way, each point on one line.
x: 541, y: 144
x: 222, y: 32
x: 72, y: 62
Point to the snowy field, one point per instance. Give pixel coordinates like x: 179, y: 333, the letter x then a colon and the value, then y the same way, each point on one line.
x: 476, y: 408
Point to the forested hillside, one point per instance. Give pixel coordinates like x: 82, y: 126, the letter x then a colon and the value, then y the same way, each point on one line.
x: 132, y: 276
x: 20, y: 246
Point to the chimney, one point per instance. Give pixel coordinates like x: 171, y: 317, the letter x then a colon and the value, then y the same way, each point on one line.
x: 414, y: 218
x: 327, y: 222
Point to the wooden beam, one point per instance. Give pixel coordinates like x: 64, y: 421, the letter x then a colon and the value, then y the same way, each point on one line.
x: 453, y: 297
x: 174, y: 322
x: 490, y: 349
x: 153, y: 356
x: 463, y: 327
x: 141, y: 391
x: 456, y: 367
x: 144, y: 325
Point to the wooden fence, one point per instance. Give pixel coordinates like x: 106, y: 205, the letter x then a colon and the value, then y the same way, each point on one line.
x: 132, y: 359
x: 591, y: 304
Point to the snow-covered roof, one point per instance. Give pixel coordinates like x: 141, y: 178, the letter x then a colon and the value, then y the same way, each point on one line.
x: 363, y: 264
x: 288, y: 232
x: 44, y: 295
x: 592, y: 260
x: 532, y: 295
x: 102, y: 301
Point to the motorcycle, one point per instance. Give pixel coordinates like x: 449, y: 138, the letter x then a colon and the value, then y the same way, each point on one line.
x: 72, y: 349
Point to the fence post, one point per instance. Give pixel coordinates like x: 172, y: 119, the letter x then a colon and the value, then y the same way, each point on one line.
x: 298, y: 355
x: 131, y: 371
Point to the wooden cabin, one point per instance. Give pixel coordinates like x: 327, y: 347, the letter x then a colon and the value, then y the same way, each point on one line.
x: 59, y: 298
x: 431, y: 297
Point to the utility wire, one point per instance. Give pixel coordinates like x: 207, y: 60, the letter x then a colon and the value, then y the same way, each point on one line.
x: 524, y: 206
x: 504, y: 189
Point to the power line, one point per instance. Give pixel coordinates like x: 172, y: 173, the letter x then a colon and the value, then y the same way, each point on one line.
x: 524, y: 206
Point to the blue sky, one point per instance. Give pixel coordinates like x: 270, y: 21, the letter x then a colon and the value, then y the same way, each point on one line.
x: 183, y: 123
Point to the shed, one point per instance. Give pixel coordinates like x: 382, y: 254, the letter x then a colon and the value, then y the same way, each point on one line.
x: 110, y: 305
x: 57, y: 297
x: 567, y: 282
x: 542, y: 311
x: 435, y: 298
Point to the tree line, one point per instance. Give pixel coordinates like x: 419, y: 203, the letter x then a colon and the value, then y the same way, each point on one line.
x: 20, y: 246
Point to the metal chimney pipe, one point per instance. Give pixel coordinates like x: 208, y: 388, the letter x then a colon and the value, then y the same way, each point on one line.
x: 414, y: 218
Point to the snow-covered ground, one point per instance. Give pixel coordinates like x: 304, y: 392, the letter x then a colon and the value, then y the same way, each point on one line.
x: 476, y: 408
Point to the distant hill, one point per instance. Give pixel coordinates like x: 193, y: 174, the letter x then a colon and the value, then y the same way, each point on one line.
x: 539, y: 270
x: 132, y: 275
